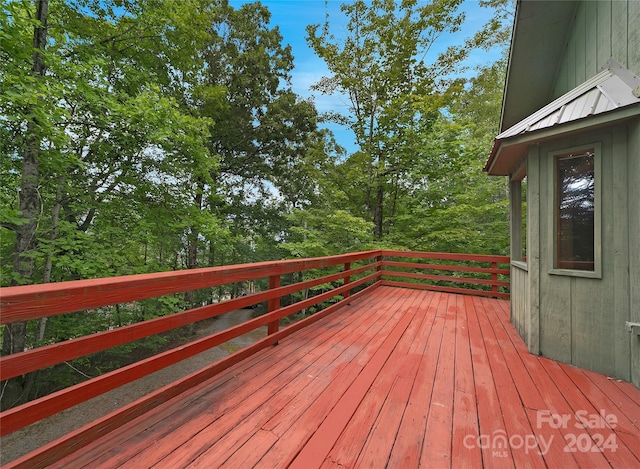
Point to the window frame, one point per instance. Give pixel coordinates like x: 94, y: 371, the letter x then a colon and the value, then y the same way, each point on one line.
x: 518, y: 235
x: 597, y: 222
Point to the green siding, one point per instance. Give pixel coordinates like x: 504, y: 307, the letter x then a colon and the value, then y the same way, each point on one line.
x: 603, y: 30
x: 600, y: 30
x: 634, y: 36
x: 576, y: 319
x: 520, y: 301
x: 633, y: 176
x: 619, y: 294
x: 533, y: 247
x: 582, y: 320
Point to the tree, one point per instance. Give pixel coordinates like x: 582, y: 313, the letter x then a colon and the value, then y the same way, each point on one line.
x: 394, y: 93
x: 88, y: 131
x: 261, y: 134
x: 450, y: 205
x: 29, y: 200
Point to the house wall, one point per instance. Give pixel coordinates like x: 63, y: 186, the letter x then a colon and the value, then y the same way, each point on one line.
x: 601, y: 30
x: 633, y: 179
x: 582, y: 320
x: 520, y: 316
x: 524, y: 309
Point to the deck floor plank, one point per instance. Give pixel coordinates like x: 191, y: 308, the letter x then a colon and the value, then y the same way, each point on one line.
x: 436, y: 450
x: 298, y: 390
x: 531, y: 396
x: 615, y: 391
x: 515, y: 417
x: 264, y: 403
x: 556, y: 406
x: 589, y: 439
x: 491, y: 421
x: 392, y: 388
x: 326, y: 415
x: 172, y: 426
x: 410, y: 437
x: 398, y: 378
x: 465, y: 417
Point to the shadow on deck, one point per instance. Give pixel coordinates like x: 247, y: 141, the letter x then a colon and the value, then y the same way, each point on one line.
x: 398, y: 378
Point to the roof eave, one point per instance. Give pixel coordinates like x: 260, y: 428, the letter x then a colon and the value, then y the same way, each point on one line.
x: 534, y: 58
x: 507, y: 153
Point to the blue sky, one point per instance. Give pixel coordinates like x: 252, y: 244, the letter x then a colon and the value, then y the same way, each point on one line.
x: 293, y: 16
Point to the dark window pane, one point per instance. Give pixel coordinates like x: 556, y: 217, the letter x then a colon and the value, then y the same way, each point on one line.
x: 575, y: 217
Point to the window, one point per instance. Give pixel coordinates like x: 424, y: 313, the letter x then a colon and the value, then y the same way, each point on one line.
x: 518, y: 198
x: 576, y: 218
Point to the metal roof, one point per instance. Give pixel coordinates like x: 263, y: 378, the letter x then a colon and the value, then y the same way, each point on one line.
x: 610, y: 89
x: 613, y: 88
x: 540, y: 29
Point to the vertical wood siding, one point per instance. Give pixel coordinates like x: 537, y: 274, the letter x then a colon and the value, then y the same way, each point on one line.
x: 633, y: 177
x: 533, y: 245
x: 520, y: 301
x: 582, y: 320
x: 601, y: 30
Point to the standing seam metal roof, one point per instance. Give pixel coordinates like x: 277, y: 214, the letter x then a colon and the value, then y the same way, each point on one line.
x: 610, y: 89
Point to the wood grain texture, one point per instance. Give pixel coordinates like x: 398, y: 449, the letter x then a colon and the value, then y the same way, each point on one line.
x: 443, y: 278
x: 463, y: 291
x: 36, y: 359
x: 33, y: 301
x: 46, y: 406
x: 456, y: 268
x: 30, y: 302
x: 395, y: 377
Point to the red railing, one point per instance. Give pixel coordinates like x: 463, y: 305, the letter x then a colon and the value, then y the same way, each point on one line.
x: 465, y: 270
x: 473, y: 274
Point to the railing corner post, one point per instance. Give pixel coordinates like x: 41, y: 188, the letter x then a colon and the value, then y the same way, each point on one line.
x: 274, y: 304
x: 494, y: 278
x: 347, y: 279
x: 379, y: 259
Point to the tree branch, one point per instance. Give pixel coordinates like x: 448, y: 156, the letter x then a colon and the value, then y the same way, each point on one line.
x: 9, y: 226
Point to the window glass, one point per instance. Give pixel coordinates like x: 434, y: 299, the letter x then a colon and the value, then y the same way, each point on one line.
x: 575, y: 211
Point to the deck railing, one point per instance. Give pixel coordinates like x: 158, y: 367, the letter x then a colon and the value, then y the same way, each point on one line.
x: 351, y: 275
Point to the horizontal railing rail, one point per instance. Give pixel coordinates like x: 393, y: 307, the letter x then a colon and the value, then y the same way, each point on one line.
x: 448, y: 272
x: 473, y: 273
x: 34, y: 301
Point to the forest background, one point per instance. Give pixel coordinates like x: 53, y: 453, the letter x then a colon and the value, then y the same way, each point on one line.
x: 150, y: 135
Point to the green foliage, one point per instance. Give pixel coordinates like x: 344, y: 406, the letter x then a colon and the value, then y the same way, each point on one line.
x: 169, y: 137
x: 396, y: 94
x: 452, y: 205
x: 318, y: 232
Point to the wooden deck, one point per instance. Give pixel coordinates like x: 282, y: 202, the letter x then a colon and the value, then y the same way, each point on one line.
x: 399, y: 378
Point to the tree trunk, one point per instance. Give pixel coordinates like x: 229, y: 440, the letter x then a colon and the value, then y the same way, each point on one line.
x: 14, y: 337
x: 192, y: 254
x: 31, y: 378
x: 377, y: 212
x: 192, y: 257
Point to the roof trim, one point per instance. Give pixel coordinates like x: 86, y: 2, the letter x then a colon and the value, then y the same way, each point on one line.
x: 538, y: 42
x: 613, y: 88
x: 511, y: 151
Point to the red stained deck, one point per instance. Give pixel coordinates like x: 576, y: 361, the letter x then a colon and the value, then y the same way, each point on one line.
x: 399, y: 378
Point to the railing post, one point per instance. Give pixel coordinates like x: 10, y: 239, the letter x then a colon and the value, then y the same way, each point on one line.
x: 274, y: 303
x: 379, y: 268
x: 494, y: 278
x: 347, y: 279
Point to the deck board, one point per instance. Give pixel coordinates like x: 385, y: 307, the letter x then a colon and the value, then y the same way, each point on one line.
x: 267, y: 404
x: 383, y: 420
x: 411, y: 434
x: 436, y: 449
x: 398, y: 378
